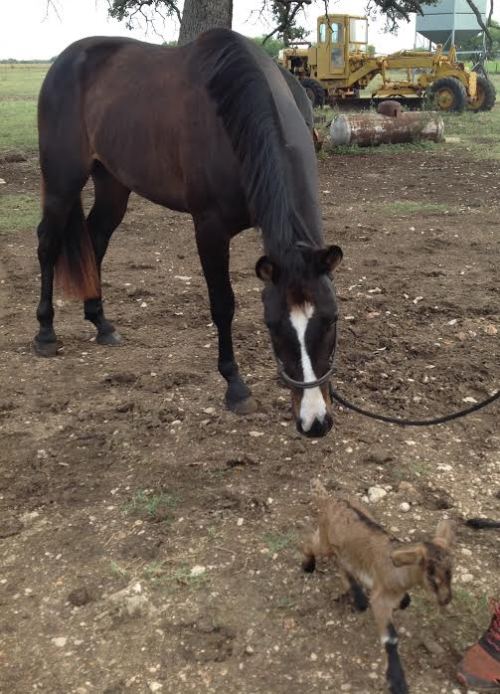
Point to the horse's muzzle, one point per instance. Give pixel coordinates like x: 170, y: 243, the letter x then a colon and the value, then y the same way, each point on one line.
x: 318, y: 428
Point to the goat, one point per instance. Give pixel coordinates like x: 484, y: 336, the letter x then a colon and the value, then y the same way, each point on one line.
x: 371, y: 560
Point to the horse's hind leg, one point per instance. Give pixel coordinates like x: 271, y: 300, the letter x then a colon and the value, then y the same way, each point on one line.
x: 213, y: 248
x: 110, y: 205
x: 57, y: 213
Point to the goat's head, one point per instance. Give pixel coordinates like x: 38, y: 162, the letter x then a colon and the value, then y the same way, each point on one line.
x: 434, y: 560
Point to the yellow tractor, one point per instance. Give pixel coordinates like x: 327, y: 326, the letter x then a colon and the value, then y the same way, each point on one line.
x: 340, y: 69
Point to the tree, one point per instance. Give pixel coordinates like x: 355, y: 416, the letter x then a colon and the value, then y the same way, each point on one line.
x: 272, y: 46
x: 285, y: 20
x: 200, y: 15
x: 485, y: 26
x: 476, y: 42
x: 131, y: 10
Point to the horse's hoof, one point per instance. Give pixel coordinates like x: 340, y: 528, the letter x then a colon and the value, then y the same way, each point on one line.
x: 110, y: 339
x: 47, y: 349
x: 244, y: 407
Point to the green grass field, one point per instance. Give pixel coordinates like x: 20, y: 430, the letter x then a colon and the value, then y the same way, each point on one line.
x: 478, y: 132
x: 19, y: 87
x: 20, y: 84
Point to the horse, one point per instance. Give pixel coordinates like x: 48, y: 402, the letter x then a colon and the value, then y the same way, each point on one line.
x: 212, y: 129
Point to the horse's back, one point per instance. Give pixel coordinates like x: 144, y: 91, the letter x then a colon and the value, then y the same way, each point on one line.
x: 145, y: 113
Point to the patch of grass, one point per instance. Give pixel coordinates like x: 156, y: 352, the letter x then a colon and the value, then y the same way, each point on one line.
x: 355, y: 150
x: 19, y: 87
x: 285, y: 603
x: 151, y: 506
x: 18, y: 131
x: 413, y: 471
x: 157, y: 572
x: 413, y: 207
x: 276, y: 542
x: 21, y: 81
x: 465, y: 619
x: 19, y: 212
x: 477, y: 132
x: 184, y: 577
x: 118, y: 570
x: 154, y: 571
x: 474, y: 604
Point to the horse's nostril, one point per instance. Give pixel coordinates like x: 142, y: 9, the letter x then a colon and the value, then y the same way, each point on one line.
x: 318, y: 428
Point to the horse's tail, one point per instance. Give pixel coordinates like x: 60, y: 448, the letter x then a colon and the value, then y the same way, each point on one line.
x: 76, y: 268
x: 236, y: 81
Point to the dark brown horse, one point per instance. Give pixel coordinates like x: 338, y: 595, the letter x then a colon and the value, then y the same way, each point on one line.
x: 211, y: 129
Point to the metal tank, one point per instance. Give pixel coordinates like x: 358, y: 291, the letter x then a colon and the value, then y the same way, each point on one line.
x: 450, y: 22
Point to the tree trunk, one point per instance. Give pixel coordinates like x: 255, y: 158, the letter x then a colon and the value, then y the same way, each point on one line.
x: 201, y: 15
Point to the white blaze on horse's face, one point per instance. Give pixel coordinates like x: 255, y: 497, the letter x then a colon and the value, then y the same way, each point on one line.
x: 312, y: 404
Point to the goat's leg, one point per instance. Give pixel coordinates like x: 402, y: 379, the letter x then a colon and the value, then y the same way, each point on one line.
x: 358, y: 594
x: 354, y: 594
x: 405, y: 602
x: 382, y: 611
x: 316, y: 546
x: 310, y: 549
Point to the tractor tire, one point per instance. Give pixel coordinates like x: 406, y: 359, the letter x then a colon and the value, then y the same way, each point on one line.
x: 486, y: 95
x: 314, y: 91
x: 448, y: 94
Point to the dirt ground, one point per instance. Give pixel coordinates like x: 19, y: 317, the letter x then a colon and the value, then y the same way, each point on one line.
x: 149, y: 538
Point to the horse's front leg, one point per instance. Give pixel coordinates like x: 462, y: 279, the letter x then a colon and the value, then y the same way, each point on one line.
x: 213, y: 248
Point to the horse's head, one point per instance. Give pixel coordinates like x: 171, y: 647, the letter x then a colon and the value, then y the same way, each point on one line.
x: 300, y: 311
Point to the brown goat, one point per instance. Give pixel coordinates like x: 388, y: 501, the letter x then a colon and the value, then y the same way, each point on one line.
x: 371, y: 560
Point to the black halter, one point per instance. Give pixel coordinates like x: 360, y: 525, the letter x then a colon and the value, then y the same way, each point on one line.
x: 305, y: 385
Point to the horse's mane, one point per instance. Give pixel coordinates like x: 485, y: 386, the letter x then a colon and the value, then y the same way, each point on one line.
x: 245, y: 103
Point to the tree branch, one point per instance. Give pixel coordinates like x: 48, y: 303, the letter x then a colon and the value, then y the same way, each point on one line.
x: 484, y: 27
x: 51, y: 4
x: 128, y: 9
x: 290, y: 16
x: 488, y: 22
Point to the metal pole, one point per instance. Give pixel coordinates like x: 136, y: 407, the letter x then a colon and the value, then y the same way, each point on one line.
x: 454, y: 24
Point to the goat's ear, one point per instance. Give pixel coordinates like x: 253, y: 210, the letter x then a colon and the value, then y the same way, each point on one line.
x: 328, y: 259
x: 266, y: 270
x: 409, y: 555
x: 445, y: 534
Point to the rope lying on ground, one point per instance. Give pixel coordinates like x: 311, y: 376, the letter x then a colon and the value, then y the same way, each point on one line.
x: 402, y: 421
x: 482, y: 523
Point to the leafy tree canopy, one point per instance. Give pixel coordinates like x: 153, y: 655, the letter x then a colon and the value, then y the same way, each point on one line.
x: 476, y: 42
x: 272, y: 46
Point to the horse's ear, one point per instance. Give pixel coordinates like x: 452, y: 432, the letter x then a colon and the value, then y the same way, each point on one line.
x: 265, y: 269
x: 328, y: 259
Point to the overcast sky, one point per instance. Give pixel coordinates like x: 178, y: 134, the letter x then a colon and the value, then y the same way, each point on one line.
x: 26, y: 32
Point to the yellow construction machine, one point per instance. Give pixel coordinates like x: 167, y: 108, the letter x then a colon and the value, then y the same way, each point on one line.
x: 339, y: 69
